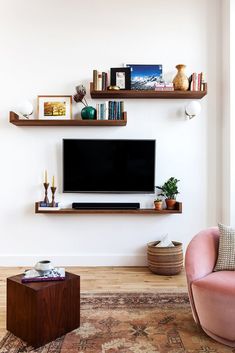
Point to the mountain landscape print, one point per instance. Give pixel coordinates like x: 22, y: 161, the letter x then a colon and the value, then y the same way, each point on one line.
x: 144, y: 77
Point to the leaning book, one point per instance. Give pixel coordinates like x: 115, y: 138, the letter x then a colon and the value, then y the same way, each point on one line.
x: 56, y: 274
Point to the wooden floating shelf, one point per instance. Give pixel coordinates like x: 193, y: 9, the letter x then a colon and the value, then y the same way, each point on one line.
x: 141, y: 211
x: 14, y: 119
x: 131, y: 94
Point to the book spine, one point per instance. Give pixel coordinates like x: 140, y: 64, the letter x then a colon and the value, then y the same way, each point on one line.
x: 28, y: 280
x: 106, y: 81
x: 199, y: 82
x: 109, y: 110
x: 45, y: 204
x: 95, y: 76
x: 122, y: 108
x: 194, y: 82
x: 99, y: 82
x: 106, y: 110
x: 103, y: 81
x: 202, y: 81
x: 97, y: 111
x: 101, y: 111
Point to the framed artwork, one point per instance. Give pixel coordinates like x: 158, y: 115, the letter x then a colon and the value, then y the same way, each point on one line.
x: 54, y: 107
x: 120, y: 76
x: 144, y: 77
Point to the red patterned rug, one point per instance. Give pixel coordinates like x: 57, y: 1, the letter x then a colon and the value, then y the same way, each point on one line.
x: 129, y: 323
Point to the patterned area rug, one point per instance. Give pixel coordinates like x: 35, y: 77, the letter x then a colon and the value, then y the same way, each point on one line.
x: 129, y: 323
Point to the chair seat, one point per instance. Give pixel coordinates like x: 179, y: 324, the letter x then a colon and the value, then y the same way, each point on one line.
x: 214, y: 298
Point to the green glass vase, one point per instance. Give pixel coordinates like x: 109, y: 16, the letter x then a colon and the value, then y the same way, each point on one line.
x: 88, y: 113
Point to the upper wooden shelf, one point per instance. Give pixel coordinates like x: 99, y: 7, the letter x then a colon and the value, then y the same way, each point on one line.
x: 141, y: 211
x: 14, y: 119
x: 130, y: 94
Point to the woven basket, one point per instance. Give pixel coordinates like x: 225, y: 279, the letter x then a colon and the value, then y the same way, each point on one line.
x: 165, y: 260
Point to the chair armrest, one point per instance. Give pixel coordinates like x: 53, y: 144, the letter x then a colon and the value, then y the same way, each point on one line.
x: 201, y: 254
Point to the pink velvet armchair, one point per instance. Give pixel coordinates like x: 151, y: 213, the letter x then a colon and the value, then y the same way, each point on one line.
x: 212, y: 294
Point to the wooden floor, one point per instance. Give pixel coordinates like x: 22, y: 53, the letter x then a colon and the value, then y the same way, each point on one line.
x: 104, y: 279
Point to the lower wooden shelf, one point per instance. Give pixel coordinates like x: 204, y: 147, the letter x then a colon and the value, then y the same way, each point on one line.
x: 14, y: 119
x: 141, y: 211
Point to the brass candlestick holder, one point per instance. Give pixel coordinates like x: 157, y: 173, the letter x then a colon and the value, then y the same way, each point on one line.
x: 46, y: 185
x: 53, y: 190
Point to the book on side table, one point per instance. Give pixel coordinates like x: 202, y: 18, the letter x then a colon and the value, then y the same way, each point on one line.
x: 32, y: 275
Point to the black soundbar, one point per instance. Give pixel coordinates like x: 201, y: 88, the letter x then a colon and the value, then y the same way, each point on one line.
x: 105, y: 205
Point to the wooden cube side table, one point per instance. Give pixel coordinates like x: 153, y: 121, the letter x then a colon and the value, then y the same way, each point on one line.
x: 40, y: 312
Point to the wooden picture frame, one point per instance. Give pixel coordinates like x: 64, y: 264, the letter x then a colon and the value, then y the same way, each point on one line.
x: 121, y: 77
x: 52, y: 107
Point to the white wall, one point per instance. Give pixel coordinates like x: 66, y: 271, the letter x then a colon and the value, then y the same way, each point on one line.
x: 48, y: 47
x: 228, y: 25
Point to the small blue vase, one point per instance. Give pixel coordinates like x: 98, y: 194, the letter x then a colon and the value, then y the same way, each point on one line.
x: 88, y: 113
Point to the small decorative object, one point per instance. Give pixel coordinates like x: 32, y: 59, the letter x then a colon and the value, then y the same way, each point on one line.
x: 120, y: 77
x: 44, y: 266
x: 46, y: 185
x: 158, y: 204
x: 87, y: 112
x: 144, y: 77
x: 54, y: 107
x: 165, y: 260
x: 26, y: 109
x: 192, y: 109
x: 113, y: 88
x: 169, y: 190
x: 181, y: 82
x: 53, y: 190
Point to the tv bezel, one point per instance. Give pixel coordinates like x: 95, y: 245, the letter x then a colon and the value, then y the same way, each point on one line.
x: 109, y: 192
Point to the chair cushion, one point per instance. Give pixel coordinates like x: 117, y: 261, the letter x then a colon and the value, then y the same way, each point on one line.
x: 226, y: 255
x: 214, y: 298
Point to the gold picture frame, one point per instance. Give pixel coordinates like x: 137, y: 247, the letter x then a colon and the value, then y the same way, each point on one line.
x: 54, y: 107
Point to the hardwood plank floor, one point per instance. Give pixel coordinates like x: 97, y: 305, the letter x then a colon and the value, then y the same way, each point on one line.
x: 104, y: 279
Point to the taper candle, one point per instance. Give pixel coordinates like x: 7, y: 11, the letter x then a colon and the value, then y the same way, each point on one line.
x: 53, y: 181
x: 46, y: 176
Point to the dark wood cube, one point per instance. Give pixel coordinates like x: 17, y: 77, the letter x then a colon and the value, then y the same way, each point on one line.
x: 40, y: 312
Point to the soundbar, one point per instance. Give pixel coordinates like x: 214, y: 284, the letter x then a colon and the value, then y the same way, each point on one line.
x: 106, y: 205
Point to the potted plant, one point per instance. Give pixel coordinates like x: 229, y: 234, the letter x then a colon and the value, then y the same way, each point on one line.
x: 169, y: 190
x: 158, y: 204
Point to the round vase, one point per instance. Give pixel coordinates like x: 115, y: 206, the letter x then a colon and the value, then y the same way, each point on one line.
x: 181, y: 82
x: 88, y: 113
x: 170, y: 204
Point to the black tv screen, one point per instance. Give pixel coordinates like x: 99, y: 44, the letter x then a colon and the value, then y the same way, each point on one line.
x: 111, y: 166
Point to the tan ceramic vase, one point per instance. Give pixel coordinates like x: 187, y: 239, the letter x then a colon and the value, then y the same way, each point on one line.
x: 180, y: 81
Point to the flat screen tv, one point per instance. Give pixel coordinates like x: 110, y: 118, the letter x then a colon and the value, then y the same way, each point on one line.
x: 108, y: 166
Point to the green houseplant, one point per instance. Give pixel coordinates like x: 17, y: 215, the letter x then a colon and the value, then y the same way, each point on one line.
x: 169, y: 190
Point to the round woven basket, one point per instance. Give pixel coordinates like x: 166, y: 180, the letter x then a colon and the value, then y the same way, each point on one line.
x: 165, y: 260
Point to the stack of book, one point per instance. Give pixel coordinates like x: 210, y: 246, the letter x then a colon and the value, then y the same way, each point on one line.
x: 197, y: 82
x: 111, y: 110
x: 100, y: 80
x: 56, y: 274
x: 164, y: 86
x: 44, y: 205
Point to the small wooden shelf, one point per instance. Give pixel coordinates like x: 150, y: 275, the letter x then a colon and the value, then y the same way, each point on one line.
x: 14, y: 119
x: 141, y: 211
x: 131, y: 94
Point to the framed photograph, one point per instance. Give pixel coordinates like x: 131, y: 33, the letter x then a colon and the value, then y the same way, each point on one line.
x: 54, y: 107
x: 144, y: 77
x: 120, y: 76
